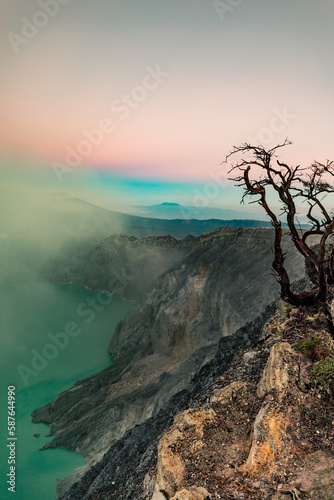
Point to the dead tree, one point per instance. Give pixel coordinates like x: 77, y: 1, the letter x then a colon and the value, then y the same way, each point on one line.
x: 259, y: 171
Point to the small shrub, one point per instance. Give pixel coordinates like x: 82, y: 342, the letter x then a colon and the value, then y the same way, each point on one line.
x: 322, y: 372
x: 307, y: 347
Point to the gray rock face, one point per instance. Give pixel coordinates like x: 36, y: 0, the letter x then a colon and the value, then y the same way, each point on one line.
x: 222, y: 283
x: 124, y: 265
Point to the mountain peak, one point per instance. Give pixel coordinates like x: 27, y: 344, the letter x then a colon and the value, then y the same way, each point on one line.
x: 165, y: 203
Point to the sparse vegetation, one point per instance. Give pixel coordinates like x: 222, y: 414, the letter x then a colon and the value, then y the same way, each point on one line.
x: 307, y: 346
x: 323, y: 374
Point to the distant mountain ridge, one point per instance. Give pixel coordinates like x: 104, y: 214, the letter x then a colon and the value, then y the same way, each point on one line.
x: 172, y: 210
x: 229, y: 218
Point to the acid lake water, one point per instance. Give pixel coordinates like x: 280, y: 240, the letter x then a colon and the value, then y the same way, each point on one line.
x: 52, y: 336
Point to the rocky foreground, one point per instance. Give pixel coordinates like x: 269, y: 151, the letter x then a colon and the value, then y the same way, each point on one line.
x: 183, y: 334
x: 265, y: 429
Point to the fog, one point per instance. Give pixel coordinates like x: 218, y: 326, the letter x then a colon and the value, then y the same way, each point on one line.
x: 39, y: 228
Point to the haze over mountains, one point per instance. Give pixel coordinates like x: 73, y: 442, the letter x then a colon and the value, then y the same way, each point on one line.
x: 124, y: 265
x: 177, y: 211
x: 41, y: 229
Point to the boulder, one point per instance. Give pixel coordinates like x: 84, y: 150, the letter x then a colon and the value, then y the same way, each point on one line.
x: 280, y: 371
x: 269, y: 436
x: 171, y: 470
x: 248, y: 356
x: 226, y: 393
x: 192, y: 493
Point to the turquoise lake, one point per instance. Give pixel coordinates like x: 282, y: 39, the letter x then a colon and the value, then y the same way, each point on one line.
x: 32, y: 316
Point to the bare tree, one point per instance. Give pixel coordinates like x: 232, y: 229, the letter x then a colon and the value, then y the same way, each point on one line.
x: 258, y: 171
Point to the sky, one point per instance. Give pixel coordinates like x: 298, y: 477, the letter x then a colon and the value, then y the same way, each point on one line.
x: 125, y: 102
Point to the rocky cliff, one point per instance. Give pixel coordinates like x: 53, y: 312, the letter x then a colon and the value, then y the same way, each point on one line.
x: 124, y: 265
x: 184, y: 331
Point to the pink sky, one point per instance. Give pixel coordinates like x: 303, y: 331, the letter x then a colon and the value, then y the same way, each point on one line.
x: 229, y: 80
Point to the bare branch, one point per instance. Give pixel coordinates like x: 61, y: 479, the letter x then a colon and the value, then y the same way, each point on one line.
x: 291, y: 184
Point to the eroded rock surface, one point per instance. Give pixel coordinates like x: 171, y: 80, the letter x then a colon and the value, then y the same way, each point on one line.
x: 171, y: 469
x: 280, y: 371
x: 197, y: 435
x: 192, y: 493
x: 124, y: 265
